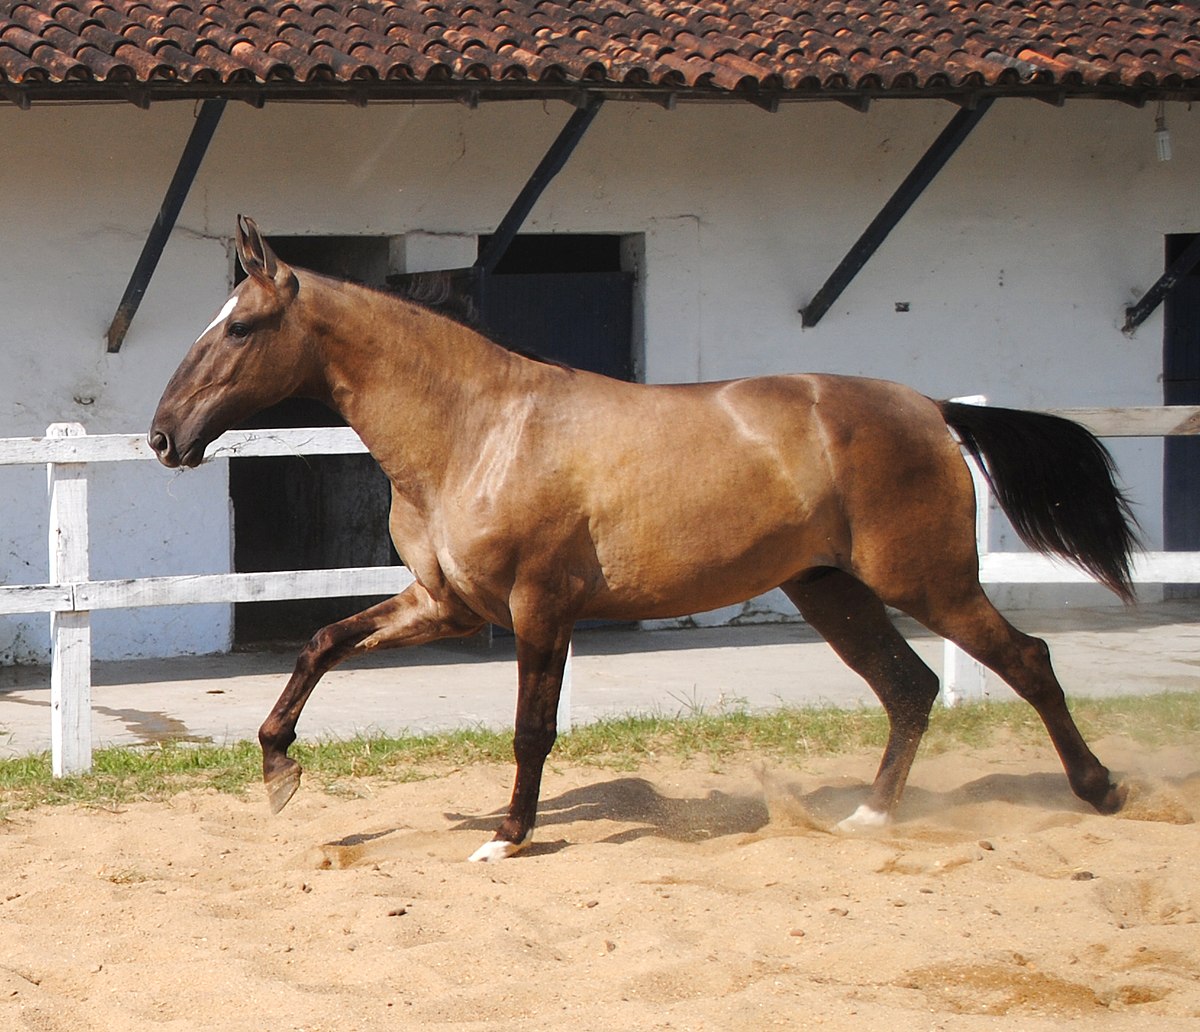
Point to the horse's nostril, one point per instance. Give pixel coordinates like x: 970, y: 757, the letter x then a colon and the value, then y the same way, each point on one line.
x: 159, y: 442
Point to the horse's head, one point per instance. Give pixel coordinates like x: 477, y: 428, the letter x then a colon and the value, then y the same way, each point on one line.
x: 250, y: 356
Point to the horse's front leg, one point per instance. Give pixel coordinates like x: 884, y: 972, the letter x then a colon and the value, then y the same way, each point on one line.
x: 410, y: 618
x: 539, y: 682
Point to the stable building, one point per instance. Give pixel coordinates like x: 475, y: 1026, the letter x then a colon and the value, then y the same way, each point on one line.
x: 985, y: 198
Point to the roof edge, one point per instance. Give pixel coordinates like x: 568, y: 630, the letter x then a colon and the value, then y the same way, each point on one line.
x: 363, y: 92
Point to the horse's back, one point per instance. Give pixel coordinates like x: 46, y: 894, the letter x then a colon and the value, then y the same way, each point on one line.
x: 702, y: 494
x: 792, y: 422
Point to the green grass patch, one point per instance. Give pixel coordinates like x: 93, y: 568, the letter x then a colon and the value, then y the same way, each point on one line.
x: 123, y: 775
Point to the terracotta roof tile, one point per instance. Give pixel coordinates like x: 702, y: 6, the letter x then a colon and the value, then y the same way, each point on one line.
x: 727, y: 47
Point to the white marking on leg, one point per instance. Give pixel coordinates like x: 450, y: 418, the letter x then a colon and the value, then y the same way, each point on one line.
x: 222, y: 315
x: 497, y: 849
x: 864, y: 819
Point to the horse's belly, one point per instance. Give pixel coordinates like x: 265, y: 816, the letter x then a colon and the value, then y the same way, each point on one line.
x: 713, y: 524
x: 686, y: 569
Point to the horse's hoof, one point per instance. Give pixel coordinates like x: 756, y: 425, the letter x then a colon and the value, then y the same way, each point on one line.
x: 282, y: 785
x: 864, y: 819
x: 497, y: 849
x: 1114, y: 800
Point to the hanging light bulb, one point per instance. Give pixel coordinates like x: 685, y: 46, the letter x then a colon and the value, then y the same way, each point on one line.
x: 1162, y: 135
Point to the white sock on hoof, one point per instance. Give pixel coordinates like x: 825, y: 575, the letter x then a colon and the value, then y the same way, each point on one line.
x: 497, y: 849
x: 865, y: 819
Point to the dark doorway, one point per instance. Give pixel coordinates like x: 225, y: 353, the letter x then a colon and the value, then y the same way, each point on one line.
x: 565, y: 297
x: 310, y: 512
x: 1181, y: 386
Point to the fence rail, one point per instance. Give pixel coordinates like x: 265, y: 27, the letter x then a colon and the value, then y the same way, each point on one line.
x: 56, y: 447
x: 71, y: 594
x: 198, y: 589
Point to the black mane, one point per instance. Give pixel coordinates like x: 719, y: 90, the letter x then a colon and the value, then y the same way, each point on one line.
x: 454, y: 293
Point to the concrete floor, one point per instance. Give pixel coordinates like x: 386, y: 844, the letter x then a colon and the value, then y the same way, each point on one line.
x: 1100, y: 651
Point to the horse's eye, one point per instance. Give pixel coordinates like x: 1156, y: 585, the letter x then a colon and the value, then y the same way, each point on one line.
x: 238, y: 330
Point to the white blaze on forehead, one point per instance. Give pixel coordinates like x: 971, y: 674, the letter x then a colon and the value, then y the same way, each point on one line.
x: 222, y: 315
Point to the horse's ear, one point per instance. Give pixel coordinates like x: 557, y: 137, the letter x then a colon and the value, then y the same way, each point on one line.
x: 256, y: 255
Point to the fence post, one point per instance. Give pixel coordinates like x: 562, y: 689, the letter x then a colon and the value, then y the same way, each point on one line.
x: 566, y: 719
x: 70, y: 632
x: 963, y: 678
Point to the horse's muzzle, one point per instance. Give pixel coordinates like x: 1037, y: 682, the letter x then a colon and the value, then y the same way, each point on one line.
x: 161, y: 444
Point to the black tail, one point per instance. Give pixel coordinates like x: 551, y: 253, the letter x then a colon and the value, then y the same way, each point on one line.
x: 1055, y: 482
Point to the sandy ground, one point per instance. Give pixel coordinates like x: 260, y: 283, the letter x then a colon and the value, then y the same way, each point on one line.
x: 682, y: 896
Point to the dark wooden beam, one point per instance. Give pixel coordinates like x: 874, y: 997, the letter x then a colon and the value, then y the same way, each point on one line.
x: 876, y: 233
x: 550, y: 165
x: 1137, y: 314
x: 860, y: 102
x: 769, y: 102
x: 181, y: 183
x: 18, y: 97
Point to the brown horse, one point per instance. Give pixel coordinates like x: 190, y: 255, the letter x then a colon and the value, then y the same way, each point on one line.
x: 533, y: 495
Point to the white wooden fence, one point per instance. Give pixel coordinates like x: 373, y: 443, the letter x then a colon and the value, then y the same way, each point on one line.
x: 71, y: 595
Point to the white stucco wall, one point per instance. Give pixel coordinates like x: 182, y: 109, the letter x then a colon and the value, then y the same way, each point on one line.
x: 1016, y: 266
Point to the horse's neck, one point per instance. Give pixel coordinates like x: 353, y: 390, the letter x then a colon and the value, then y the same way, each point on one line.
x: 408, y: 380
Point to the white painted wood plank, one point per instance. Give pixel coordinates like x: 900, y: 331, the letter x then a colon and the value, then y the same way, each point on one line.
x: 15, y: 451
x: 70, y: 693
x: 331, y: 440
x: 70, y: 633
x: 35, y: 598
x: 1166, y: 568
x: 1137, y: 420
x: 1033, y: 568
x: 242, y: 587
x: 193, y: 589
x: 963, y: 678
x: 995, y: 568
x: 565, y: 719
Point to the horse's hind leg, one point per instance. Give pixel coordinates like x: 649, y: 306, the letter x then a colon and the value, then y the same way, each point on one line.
x: 975, y: 625
x: 855, y: 623
x: 411, y: 618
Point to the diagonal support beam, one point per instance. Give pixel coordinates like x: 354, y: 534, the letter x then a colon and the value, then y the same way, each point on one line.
x: 876, y: 233
x: 181, y: 183
x: 1184, y: 264
x: 556, y: 157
